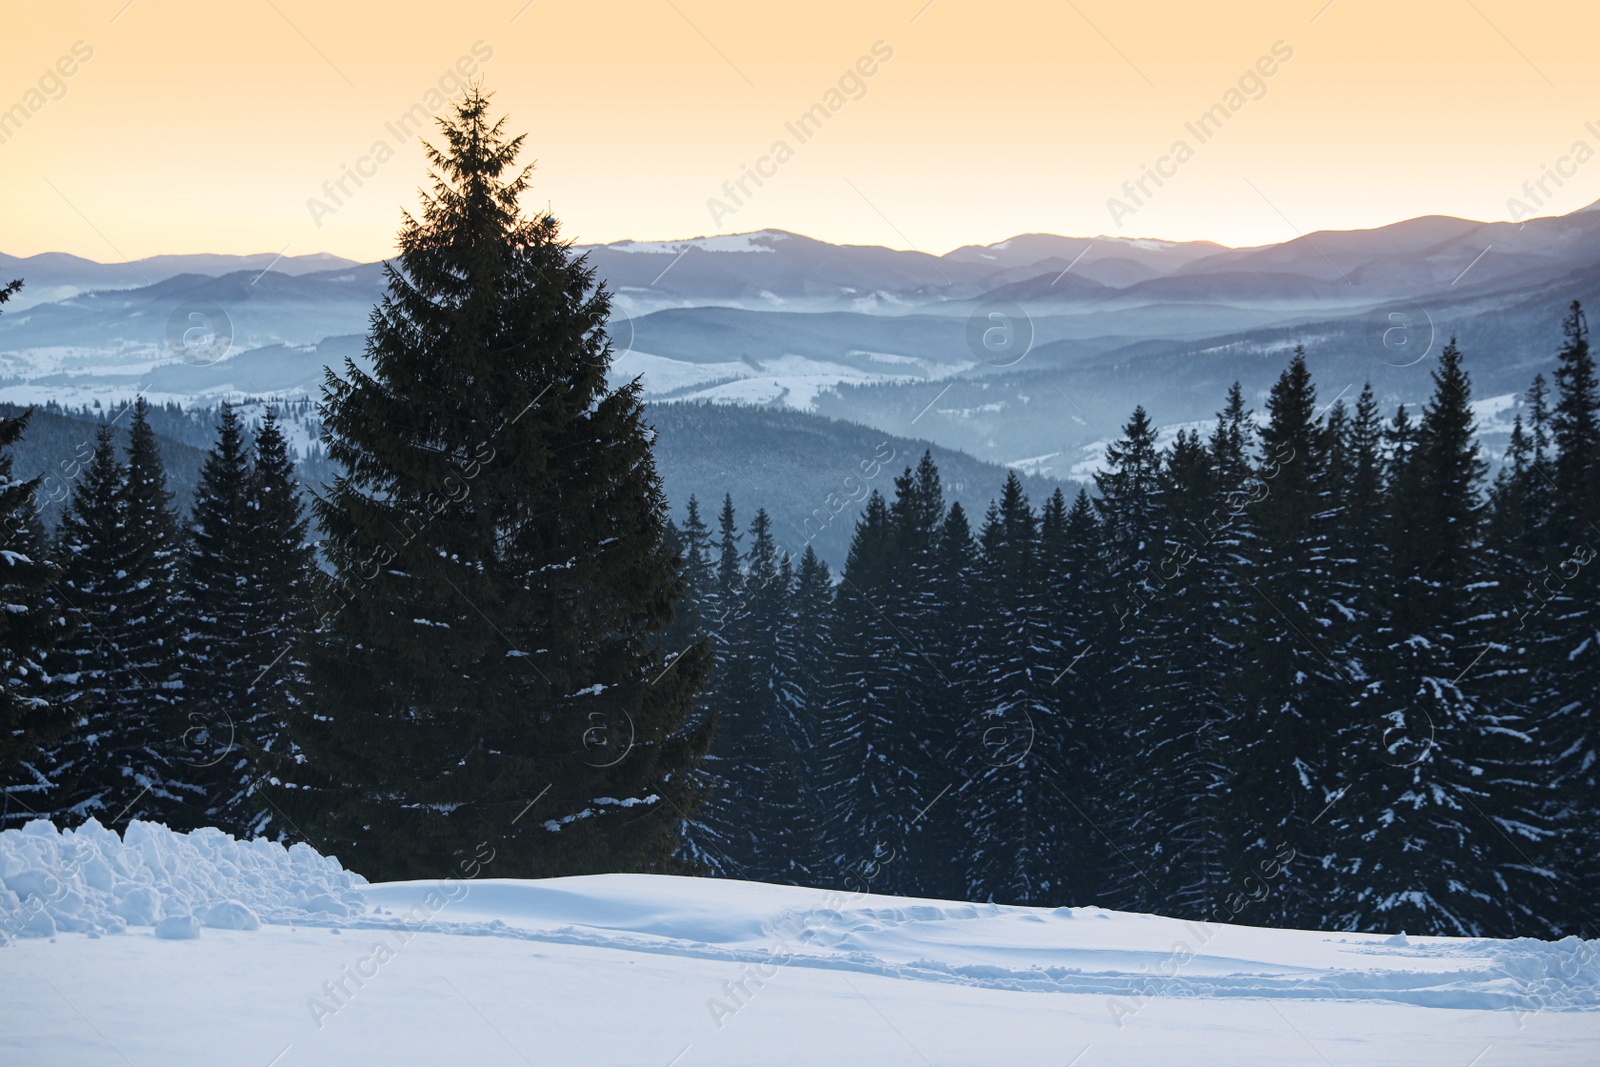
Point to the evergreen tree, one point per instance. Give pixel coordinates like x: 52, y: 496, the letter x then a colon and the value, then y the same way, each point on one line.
x: 1575, y: 431
x: 281, y: 617
x: 729, y: 577
x: 85, y: 669
x: 1567, y: 623
x: 754, y: 752
x: 805, y: 651
x: 491, y: 638
x: 1087, y: 864
x: 1437, y: 824
x: 217, y: 579
x: 117, y: 674
x: 1188, y: 647
x: 147, y: 634
x: 1012, y: 732
x: 29, y: 623
x: 692, y: 546
x: 924, y: 692
x: 1295, y: 711
x: 714, y: 842
x: 868, y: 791
x: 1132, y: 543
x: 942, y: 859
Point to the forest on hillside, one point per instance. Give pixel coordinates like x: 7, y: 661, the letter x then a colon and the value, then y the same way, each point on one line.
x: 1313, y: 668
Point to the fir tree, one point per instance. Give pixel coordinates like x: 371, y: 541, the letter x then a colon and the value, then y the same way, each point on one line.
x: 1437, y: 824
x: 942, y: 857
x: 924, y: 697
x: 692, y: 545
x: 488, y: 667
x: 1187, y: 645
x: 148, y: 636
x: 1567, y: 622
x: 753, y: 755
x: 867, y: 790
x: 1575, y: 431
x: 1296, y: 695
x: 29, y: 623
x: 91, y: 542
x: 280, y: 610
x: 1013, y: 735
x: 1129, y: 528
x: 217, y: 667
x: 117, y: 675
x: 711, y: 838
x: 805, y: 651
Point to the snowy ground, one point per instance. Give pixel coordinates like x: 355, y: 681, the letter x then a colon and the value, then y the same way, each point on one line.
x: 632, y: 969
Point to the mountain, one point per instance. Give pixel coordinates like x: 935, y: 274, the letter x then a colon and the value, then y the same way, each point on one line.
x: 811, y: 474
x: 974, y: 349
x: 57, y: 444
x: 1063, y: 410
x: 57, y: 276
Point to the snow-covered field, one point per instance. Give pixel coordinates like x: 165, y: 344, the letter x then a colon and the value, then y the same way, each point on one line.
x: 156, y: 958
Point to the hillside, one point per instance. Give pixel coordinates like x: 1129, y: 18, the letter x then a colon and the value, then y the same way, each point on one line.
x: 812, y: 474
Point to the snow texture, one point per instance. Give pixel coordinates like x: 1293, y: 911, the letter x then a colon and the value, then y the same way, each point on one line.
x: 713, y: 971
x: 92, y: 880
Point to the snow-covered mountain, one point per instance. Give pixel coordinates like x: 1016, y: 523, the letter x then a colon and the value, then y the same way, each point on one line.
x: 973, y: 348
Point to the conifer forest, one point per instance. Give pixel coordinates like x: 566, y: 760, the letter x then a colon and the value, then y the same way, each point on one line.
x: 1319, y: 665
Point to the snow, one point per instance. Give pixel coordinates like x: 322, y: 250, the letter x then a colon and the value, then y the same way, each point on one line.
x: 758, y: 241
x: 791, y: 380
x: 650, y: 969
x: 93, y: 880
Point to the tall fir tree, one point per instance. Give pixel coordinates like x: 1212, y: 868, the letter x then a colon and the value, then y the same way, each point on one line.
x: 868, y: 791
x: 941, y: 857
x: 488, y: 667
x: 1429, y: 839
x: 1012, y: 735
x: 693, y: 546
x: 1295, y: 707
x: 925, y: 696
x: 281, y: 598
x: 714, y: 842
x: 216, y: 593
x: 85, y: 669
x: 1567, y: 624
x: 1129, y: 517
x: 30, y: 622
x: 148, y: 635
x: 1187, y: 644
x: 805, y: 650
x: 118, y: 673
x: 751, y: 811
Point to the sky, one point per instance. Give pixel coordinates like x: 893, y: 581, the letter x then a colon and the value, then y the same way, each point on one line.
x: 206, y: 127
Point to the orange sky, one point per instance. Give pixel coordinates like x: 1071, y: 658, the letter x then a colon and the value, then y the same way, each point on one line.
x: 208, y: 126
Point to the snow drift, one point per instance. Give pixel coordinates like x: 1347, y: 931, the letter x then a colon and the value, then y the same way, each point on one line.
x: 92, y: 880
x: 717, y: 970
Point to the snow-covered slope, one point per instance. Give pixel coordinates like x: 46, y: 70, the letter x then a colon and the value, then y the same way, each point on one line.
x: 635, y: 969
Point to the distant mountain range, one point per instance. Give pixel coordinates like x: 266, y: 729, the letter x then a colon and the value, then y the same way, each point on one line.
x: 1030, y: 351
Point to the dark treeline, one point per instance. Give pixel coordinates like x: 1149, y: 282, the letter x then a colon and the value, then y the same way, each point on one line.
x: 165, y: 657
x: 1314, y: 669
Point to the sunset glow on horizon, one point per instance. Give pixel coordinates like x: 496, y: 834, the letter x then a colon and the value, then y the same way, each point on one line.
x: 143, y: 128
